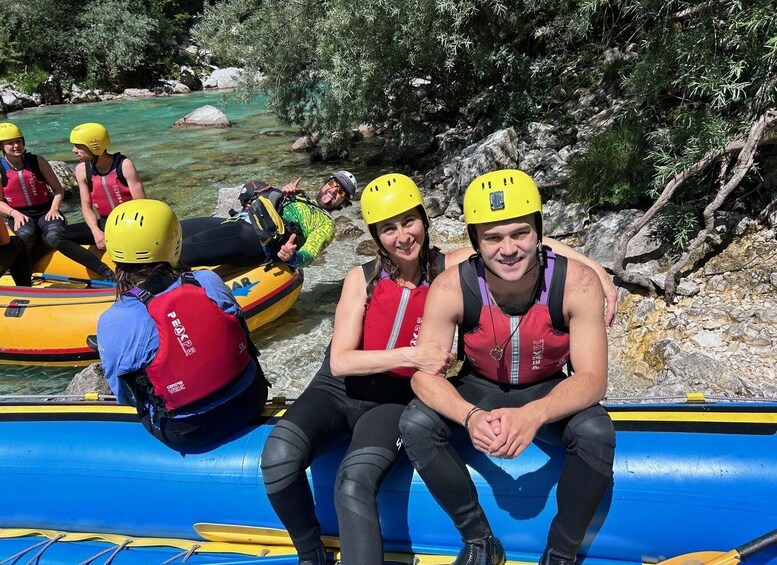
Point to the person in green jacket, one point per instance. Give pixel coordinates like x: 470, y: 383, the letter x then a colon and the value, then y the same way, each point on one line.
x: 273, y: 224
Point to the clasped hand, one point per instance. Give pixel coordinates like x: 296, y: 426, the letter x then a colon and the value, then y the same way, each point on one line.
x: 503, y: 432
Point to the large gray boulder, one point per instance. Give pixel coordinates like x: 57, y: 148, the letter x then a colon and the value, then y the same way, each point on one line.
x: 206, y: 116
x: 223, y: 78
x: 13, y: 100
x: 66, y: 176
x: 445, y: 186
x: 51, y: 90
x: 91, y: 379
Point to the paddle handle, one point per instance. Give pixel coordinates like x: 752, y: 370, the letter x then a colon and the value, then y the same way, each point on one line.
x: 757, y: 545
x: 93, y: 282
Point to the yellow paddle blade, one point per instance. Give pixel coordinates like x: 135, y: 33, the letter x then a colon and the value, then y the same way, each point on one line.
x: 235, y: 533
x: 705, y: 558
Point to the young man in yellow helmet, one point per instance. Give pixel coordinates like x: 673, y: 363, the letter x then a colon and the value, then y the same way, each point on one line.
x: 523, y: 313
x: 30, y: 194
x: 105, y: 180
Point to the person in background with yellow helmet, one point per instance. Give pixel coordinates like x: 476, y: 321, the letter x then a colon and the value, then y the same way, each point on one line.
x: 522, y: 312
x: 30, y: 194
x: 13, y: 256
x: 175, y: 344
x: 105, y: 180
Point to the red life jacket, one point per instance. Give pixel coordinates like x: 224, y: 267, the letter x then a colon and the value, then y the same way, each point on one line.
x: 201, y: 347
x: 393, y: 318
x: 535, y: 346
x: 108, y: 190
x: 24, y: 188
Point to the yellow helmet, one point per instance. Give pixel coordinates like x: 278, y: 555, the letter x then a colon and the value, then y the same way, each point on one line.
x: 10, y: 131
x: 389, y: 195
x: 501, y: 195
x: 143, y: 231
x: 93, y: 135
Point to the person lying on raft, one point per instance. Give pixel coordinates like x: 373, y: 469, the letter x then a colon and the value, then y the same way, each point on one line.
x: 105, y: 180
x: 523, y: 312
x: 30, y: 194
x: 14, y: 256
x: 273, y: 224
x: 174, y: 344
x: 363, y: 384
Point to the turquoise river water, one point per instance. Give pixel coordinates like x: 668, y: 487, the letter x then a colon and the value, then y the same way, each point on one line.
x: 184, y: 167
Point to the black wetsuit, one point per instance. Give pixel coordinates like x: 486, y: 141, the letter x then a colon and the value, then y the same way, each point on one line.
x: 368, y: 407
x: 14, y: 256
x: 215, y: 241
x: 72, y: 240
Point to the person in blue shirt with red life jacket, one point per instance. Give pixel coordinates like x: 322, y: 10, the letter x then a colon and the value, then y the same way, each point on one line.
x: 105, y: 180
x: 175, y: 344
x: 522, y: 314
x: 363, y: 385
x: 30, y: 194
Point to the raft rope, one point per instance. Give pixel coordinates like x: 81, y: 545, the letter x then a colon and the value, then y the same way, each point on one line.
x: 95, y: 557
x: 118, y: 550
x: 45, y: 543
x: 185, y: 554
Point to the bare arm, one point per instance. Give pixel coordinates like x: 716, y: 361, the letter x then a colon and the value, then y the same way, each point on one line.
x: 457, y: 256
x: 443, y: 311
x: 583, y: 301
x: 610, y: 290
x: 56, y: 187
x: 346, y: 357
x: 85, y: 195
x: 133, y: 179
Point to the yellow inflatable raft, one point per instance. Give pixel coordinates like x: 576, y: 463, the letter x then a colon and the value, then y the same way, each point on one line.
x: 49, y: 322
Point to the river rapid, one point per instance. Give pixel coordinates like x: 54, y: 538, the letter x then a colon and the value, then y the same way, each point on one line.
x: 186, y: 168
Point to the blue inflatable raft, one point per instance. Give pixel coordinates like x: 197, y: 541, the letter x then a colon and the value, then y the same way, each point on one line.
x: 83, y: 482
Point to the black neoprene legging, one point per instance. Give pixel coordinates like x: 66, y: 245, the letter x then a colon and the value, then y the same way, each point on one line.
x: 14, y: 256
x: 218, y: 241
x: 589, y: 439
x: 71, y: 241
x: 331, y: 408
x: 39, y: 234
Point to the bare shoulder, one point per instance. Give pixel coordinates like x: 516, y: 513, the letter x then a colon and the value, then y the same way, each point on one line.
x: 582, y: 281
x: 447, y: 281
x: 355, y: 276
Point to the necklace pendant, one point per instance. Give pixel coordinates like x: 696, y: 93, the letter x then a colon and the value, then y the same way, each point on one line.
x: 496, y: 353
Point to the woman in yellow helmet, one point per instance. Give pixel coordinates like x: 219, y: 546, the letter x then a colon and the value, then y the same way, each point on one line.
x: 363, y: 384
x: 175, y: 344
x: 30, y: 193
x: 105, y: 180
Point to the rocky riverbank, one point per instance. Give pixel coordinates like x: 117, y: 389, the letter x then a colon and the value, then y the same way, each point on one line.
x: 52, y: 91
x: 719, y: 341
x: 716, y: 336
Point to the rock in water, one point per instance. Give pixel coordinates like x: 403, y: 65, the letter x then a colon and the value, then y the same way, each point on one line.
x: 206, y: 116
x: 91, y: 379
x: 66, y: 176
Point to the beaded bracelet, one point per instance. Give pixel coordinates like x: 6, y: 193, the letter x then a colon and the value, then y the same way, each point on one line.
x: 469, y: 415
